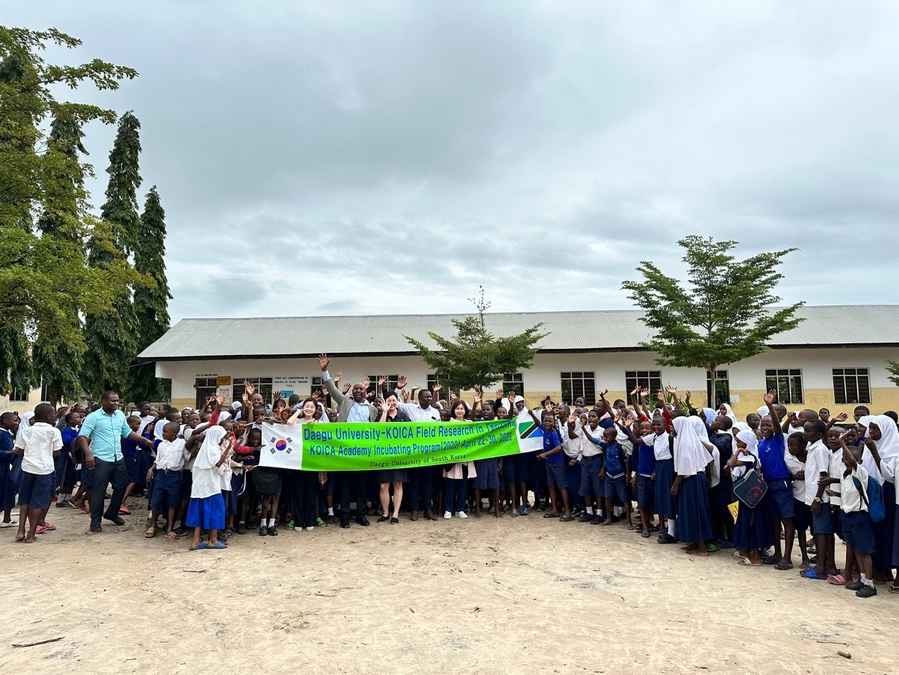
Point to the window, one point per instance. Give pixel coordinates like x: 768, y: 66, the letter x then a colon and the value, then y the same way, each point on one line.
x: 787, y: 382
x: 19, y: 394
x: 443, y: 394
x: 206, y: 387
x: 318, y: 385
x: 648, y: 379
x: 722, y: 388
x: 263, y: 386
x: 513, y: 382
x: 851, y: 385
x: 389, y: 385
x: 576, y: 384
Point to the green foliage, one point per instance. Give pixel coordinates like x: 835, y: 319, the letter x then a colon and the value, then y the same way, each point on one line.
x: 724, y: 314
x: 15, y: 364
x: 474, y: 356
x: 111, y: 336
x: 150, y: 301
x: 893, y: 370
x: 45, y: 284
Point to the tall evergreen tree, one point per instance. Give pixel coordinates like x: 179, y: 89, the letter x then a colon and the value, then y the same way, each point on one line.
x: 44, y: 280
x: 110, y: 337
x: 150, y: 301
x: 58, y: 365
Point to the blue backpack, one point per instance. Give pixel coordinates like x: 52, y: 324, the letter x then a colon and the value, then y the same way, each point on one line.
x: 874, y: 500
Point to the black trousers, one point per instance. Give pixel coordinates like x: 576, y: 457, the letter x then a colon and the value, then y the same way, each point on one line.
x: 304, y: 487
x: 352, y: 488
x: 105, y: 473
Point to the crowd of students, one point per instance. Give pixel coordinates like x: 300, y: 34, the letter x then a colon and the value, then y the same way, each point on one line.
x: 822, y: 477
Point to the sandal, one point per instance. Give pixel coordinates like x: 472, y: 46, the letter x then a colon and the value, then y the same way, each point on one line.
x: 171, y: 536
x: 783, y: 565
x: 837, y: 580
x: 893, y: 589
x: 199, y: 547
x: 151, y: 532
x: 810, y: 573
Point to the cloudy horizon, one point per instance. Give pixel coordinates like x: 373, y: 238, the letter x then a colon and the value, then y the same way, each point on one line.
x: 372, y: 158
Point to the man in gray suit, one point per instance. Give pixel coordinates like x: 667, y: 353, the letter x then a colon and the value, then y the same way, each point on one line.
x: 353, y: 408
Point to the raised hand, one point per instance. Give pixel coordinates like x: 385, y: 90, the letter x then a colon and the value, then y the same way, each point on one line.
x: 323, y: 361
x: 572, y: 418
x: 219, y: 399
x: 276, y: 396
x: 336, y: 378
x: 438, y: 387
x: 346, y: 388
x: 603, y: 393
x: 687, y: 395
x: 671, y: 390
x: 770, y: 397
x: 842, y: 417
x: 401, y: 382
x: 250, y: 389
x: 660, y: 396
x: 405, y: 395
x: 644, y: 392
x: 381, y: 380
x: 499, y: 394
x: 366, y: 383
x: 477, y: 396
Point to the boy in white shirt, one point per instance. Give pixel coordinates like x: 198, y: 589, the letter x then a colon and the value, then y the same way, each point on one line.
x: 38, y: 445
x: 817, y: 473
x: 170, y: 457
x: 858, y: 530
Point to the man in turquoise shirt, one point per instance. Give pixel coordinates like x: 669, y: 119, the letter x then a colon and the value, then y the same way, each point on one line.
x: 106, y: 428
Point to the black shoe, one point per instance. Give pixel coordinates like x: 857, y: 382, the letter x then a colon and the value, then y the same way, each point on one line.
x: 666, y: 539
x: 65, y: 504
x: 596, y: 520
x: 180, y: 531
x: 262, y: 531
x: 362, y: 520
x: 866, y: 591
x: 383, y: 519
x: 115, y: 520
x: 344, y: 522
x: 585, y: 518
x: 329, y: 520
x: 272, y: 532
x: 96, y: 528
x: 853, y: 585
x: 241, y: 528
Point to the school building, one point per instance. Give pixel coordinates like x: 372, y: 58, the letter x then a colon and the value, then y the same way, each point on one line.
x: 836, y: 358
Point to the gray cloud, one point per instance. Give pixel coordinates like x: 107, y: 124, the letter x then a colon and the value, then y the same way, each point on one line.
x: 391, y: 158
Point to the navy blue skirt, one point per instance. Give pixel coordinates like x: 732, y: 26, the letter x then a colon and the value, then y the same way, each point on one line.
x: 208, y: 513
x: 884, y: 531
x: 694, y: 519
x: 665, y: 505
x: 753, y: 529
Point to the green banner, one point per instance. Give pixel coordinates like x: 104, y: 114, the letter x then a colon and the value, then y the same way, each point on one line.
x: 374, y: 446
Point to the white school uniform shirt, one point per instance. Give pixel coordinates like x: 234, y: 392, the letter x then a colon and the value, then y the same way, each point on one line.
x: 795, y: 465
x: 144, y: 421
x: 39, y: 441
x: 588, y: 448
x: 836, y: 469
x: 851, y: 497
x: 170, y: 455
x: 570, y: 446
x: 817, y: 461
x: 661, y: 446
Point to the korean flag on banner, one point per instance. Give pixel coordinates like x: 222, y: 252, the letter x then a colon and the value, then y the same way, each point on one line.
x: 282, y: 446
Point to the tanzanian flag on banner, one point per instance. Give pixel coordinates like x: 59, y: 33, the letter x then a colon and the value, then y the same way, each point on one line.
x: 530, y: 434
x: 373, y: 446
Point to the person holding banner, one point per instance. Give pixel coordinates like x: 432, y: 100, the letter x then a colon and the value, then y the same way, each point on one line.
x: 422, y: 478
x: 304, y: 484
x: 353, y: 408
x: 390, y: 413
x: 456, y: 476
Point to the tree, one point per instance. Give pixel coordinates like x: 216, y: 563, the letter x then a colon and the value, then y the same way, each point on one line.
x: 150, y: 301
x: 110, y: 336
x: 893, y: 370
x: 44, y: 280
x: 724, y: 314
x: 474, y: 356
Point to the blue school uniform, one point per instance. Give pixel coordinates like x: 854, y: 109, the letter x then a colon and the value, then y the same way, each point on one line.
x: 66, y: 476
x: 130, y: 451
x: 8, y: 488
x: 694, y: 519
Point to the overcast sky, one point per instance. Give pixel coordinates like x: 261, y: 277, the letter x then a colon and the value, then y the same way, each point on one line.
x: 355, y: 158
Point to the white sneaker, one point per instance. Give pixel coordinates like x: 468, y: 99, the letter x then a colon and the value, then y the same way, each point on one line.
x: 310, y: 529
x: 461, y: 514
x: 447, y: 515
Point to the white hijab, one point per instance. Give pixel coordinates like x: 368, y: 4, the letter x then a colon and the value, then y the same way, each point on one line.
x: 210, y: 452
x: 690, y: 453
x: 887, y: 448
x: 730, y: 412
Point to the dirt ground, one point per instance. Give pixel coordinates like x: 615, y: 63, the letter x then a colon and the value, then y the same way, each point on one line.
x: 524, y: 594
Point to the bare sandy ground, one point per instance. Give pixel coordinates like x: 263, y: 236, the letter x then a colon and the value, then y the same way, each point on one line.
x: 524, y: 595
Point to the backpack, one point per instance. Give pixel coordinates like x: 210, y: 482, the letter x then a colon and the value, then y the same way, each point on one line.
x: 874, y: 500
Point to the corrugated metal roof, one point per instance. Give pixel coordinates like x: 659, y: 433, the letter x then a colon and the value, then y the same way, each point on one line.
x: 568, y: 331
